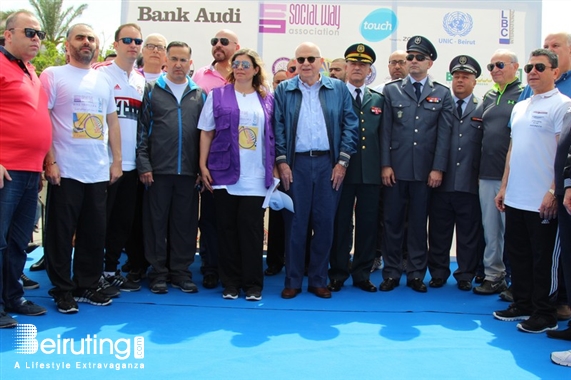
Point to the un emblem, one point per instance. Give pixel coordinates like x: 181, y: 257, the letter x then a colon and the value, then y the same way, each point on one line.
x: 457, y: 23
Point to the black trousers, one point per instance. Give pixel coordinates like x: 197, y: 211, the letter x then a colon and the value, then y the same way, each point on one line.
x: 529, y: 243
x: 364, y: 200
x: 75, y: 207
x: 208, y: 235
x: 449, y: 210
x: 240, y: 224
x: 121, y: 201
x: 565, y: 245
x: 134, y: 245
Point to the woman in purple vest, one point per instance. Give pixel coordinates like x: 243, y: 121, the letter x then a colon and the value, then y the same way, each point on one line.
x: 236, y: 162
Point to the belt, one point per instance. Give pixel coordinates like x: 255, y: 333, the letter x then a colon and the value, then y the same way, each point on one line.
x: 313, y: 153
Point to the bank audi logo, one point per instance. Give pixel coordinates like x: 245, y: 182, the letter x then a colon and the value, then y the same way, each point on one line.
x: 26, y: 342
x: 457, y: 23
x: 379, y: 24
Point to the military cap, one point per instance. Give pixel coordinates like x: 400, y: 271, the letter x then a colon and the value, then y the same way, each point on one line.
x: 422, y: 45
x: 466, y: 64
x: 360, y: 52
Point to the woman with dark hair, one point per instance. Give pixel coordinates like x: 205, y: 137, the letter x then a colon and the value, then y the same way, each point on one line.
x: 236, y: 163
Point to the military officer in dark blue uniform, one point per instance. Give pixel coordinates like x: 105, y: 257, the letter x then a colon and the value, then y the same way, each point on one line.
x: 362, y: 183
x: 415, y: 144
x: 456, y: 203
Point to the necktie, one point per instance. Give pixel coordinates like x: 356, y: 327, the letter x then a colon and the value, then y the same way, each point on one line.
x: 459, y: 108
x: 358, y: 97
x: 417, y: 90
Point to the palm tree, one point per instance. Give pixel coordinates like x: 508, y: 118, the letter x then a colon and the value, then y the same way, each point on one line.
x: 54, y: 19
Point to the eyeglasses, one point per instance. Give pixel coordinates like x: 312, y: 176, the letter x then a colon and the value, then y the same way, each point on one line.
x: 291, y: 69
x: 419, y: 57
x: 500, y: 65
x: 129, y: 40
x: 245, y: 64
x: 301, y: 60
x: 153, y: 47
x: 223, y: 41
x: 540, y: 67
x: 400, y: 62
x: 31, y: 33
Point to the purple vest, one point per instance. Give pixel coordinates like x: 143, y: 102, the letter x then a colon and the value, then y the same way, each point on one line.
x: 224, y: 157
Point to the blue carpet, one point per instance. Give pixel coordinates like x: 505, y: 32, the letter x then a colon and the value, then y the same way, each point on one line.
x: 444, y: 334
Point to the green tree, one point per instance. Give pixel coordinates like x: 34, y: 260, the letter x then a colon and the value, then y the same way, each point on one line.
x: 49, y: 55
x: 54, y: 19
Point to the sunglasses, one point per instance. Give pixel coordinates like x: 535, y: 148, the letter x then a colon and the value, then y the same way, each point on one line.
x: 540, y: 67
x: 153, y: 47
x: 223, y: 41
x: 31, y: 33
x: 301, y: 60
x: 400, y: 62
x: 245, y: 64
x: 291, y: 69
x: 500, y: 65
x: 129, y: 40
x: 419, y: 57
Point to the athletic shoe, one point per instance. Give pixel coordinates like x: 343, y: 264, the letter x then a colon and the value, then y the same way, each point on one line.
x: 7, y: 321
x: 122, y: 283
x: 91, y: 296
x: 159, y: 287
x: 65, y: 302
x: 136, y: 275
x: 105, y: 288
x: 491, y: 287
x: 230, y: 293
x: 511, y: 314
x: 254, y: 295
x: 537, y: 324
x: 28, y: 283
x: 376, y: 264
x: 187, y: 286
x: 507, y: 295
x: 26, y: 307
x: 561, y: 358
x: 563, y: 312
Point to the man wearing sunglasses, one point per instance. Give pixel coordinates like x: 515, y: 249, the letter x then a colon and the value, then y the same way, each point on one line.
x: 128, y: 86
x: 498, y: 104
x: 291, y: 68
x: 25, y: 138
x: 416, y: 132
x: 530, y: 206
x: 316, y: 134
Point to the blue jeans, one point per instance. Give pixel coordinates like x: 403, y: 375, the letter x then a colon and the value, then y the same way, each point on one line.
x: 18, y: 200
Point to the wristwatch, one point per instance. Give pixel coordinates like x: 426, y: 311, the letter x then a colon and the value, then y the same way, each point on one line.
x: 343, y: 163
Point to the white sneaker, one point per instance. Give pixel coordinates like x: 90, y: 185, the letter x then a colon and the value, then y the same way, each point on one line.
x: 562, y: 358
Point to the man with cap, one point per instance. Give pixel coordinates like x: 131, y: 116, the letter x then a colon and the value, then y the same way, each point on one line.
x: 455, y: 204
x: 415, y: 143
x: 362, y: 183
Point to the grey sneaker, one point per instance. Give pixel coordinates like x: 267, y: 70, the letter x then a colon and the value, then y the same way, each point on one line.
x: 91, y: 296
x: 537, y: 324
x: 7, y: 321
x: 186, y: 286
x: 562, y: 358
x: 105, y: 288
x: 28, y: 283
x: 160, y: 287
x: 507, y: 295
x: 122, y: 283
x: 512, y: 313
x: 26, y: 307
x: 491, y: 287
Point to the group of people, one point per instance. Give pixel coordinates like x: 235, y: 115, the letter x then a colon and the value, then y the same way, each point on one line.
x: 132, y: 154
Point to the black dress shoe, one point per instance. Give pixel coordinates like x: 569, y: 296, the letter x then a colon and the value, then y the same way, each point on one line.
x: 560, y: 334
x: 366, y: 286
x: 335, y: 285
x: 464, y: 285
x: 417, y: 285
x: 437, y: 282
x: 38, y: 265
x: 272, y: 271
x: 210, y: 281
x: 389, y: 284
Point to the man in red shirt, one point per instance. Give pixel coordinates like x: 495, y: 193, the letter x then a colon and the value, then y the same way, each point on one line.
x: 25, y: 138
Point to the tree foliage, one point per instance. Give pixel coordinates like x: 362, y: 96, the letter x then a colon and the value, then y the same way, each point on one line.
x: 54, y: 19
x: 49, y: 55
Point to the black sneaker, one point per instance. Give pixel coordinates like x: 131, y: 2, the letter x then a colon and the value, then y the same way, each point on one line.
x: 122, y: 283
x: 26, y: 307
x: 537, y: 324
x: 253, y: 295
x: 186, y: 286
x: 65, y: 302
x: 230, y: 293
x: 136, y: 275
x: 105, y: 288
x: 28, y: 283
x: 160, y: 287
x: 91, y: 296
x: 6, y: 321
x: 511, y: 314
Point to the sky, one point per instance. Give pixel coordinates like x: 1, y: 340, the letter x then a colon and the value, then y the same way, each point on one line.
x: 105, y: 15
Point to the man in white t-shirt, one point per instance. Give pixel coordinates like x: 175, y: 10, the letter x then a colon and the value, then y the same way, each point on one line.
x: 78, y: 170
x: 527, y: 196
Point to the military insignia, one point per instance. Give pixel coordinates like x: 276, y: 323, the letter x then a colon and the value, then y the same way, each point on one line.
x: 474, y: 100
x: 360, y: 49
x: 399, y: 114
x: 418, y: 40
x: 477, y: 119
x: 433, y: 100
x: 376, y: 110
x: 462, y: 60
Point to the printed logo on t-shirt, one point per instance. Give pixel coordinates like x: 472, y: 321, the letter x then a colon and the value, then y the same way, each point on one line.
x: 88, y: 122
x: 248, y: 137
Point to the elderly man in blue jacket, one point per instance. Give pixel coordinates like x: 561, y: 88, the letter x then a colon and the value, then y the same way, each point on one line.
x: 316, y: 134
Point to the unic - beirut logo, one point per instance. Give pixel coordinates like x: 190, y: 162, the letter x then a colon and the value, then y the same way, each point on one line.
x: 122, y: 348
x: 379, y: 24
x: 457, y: 23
